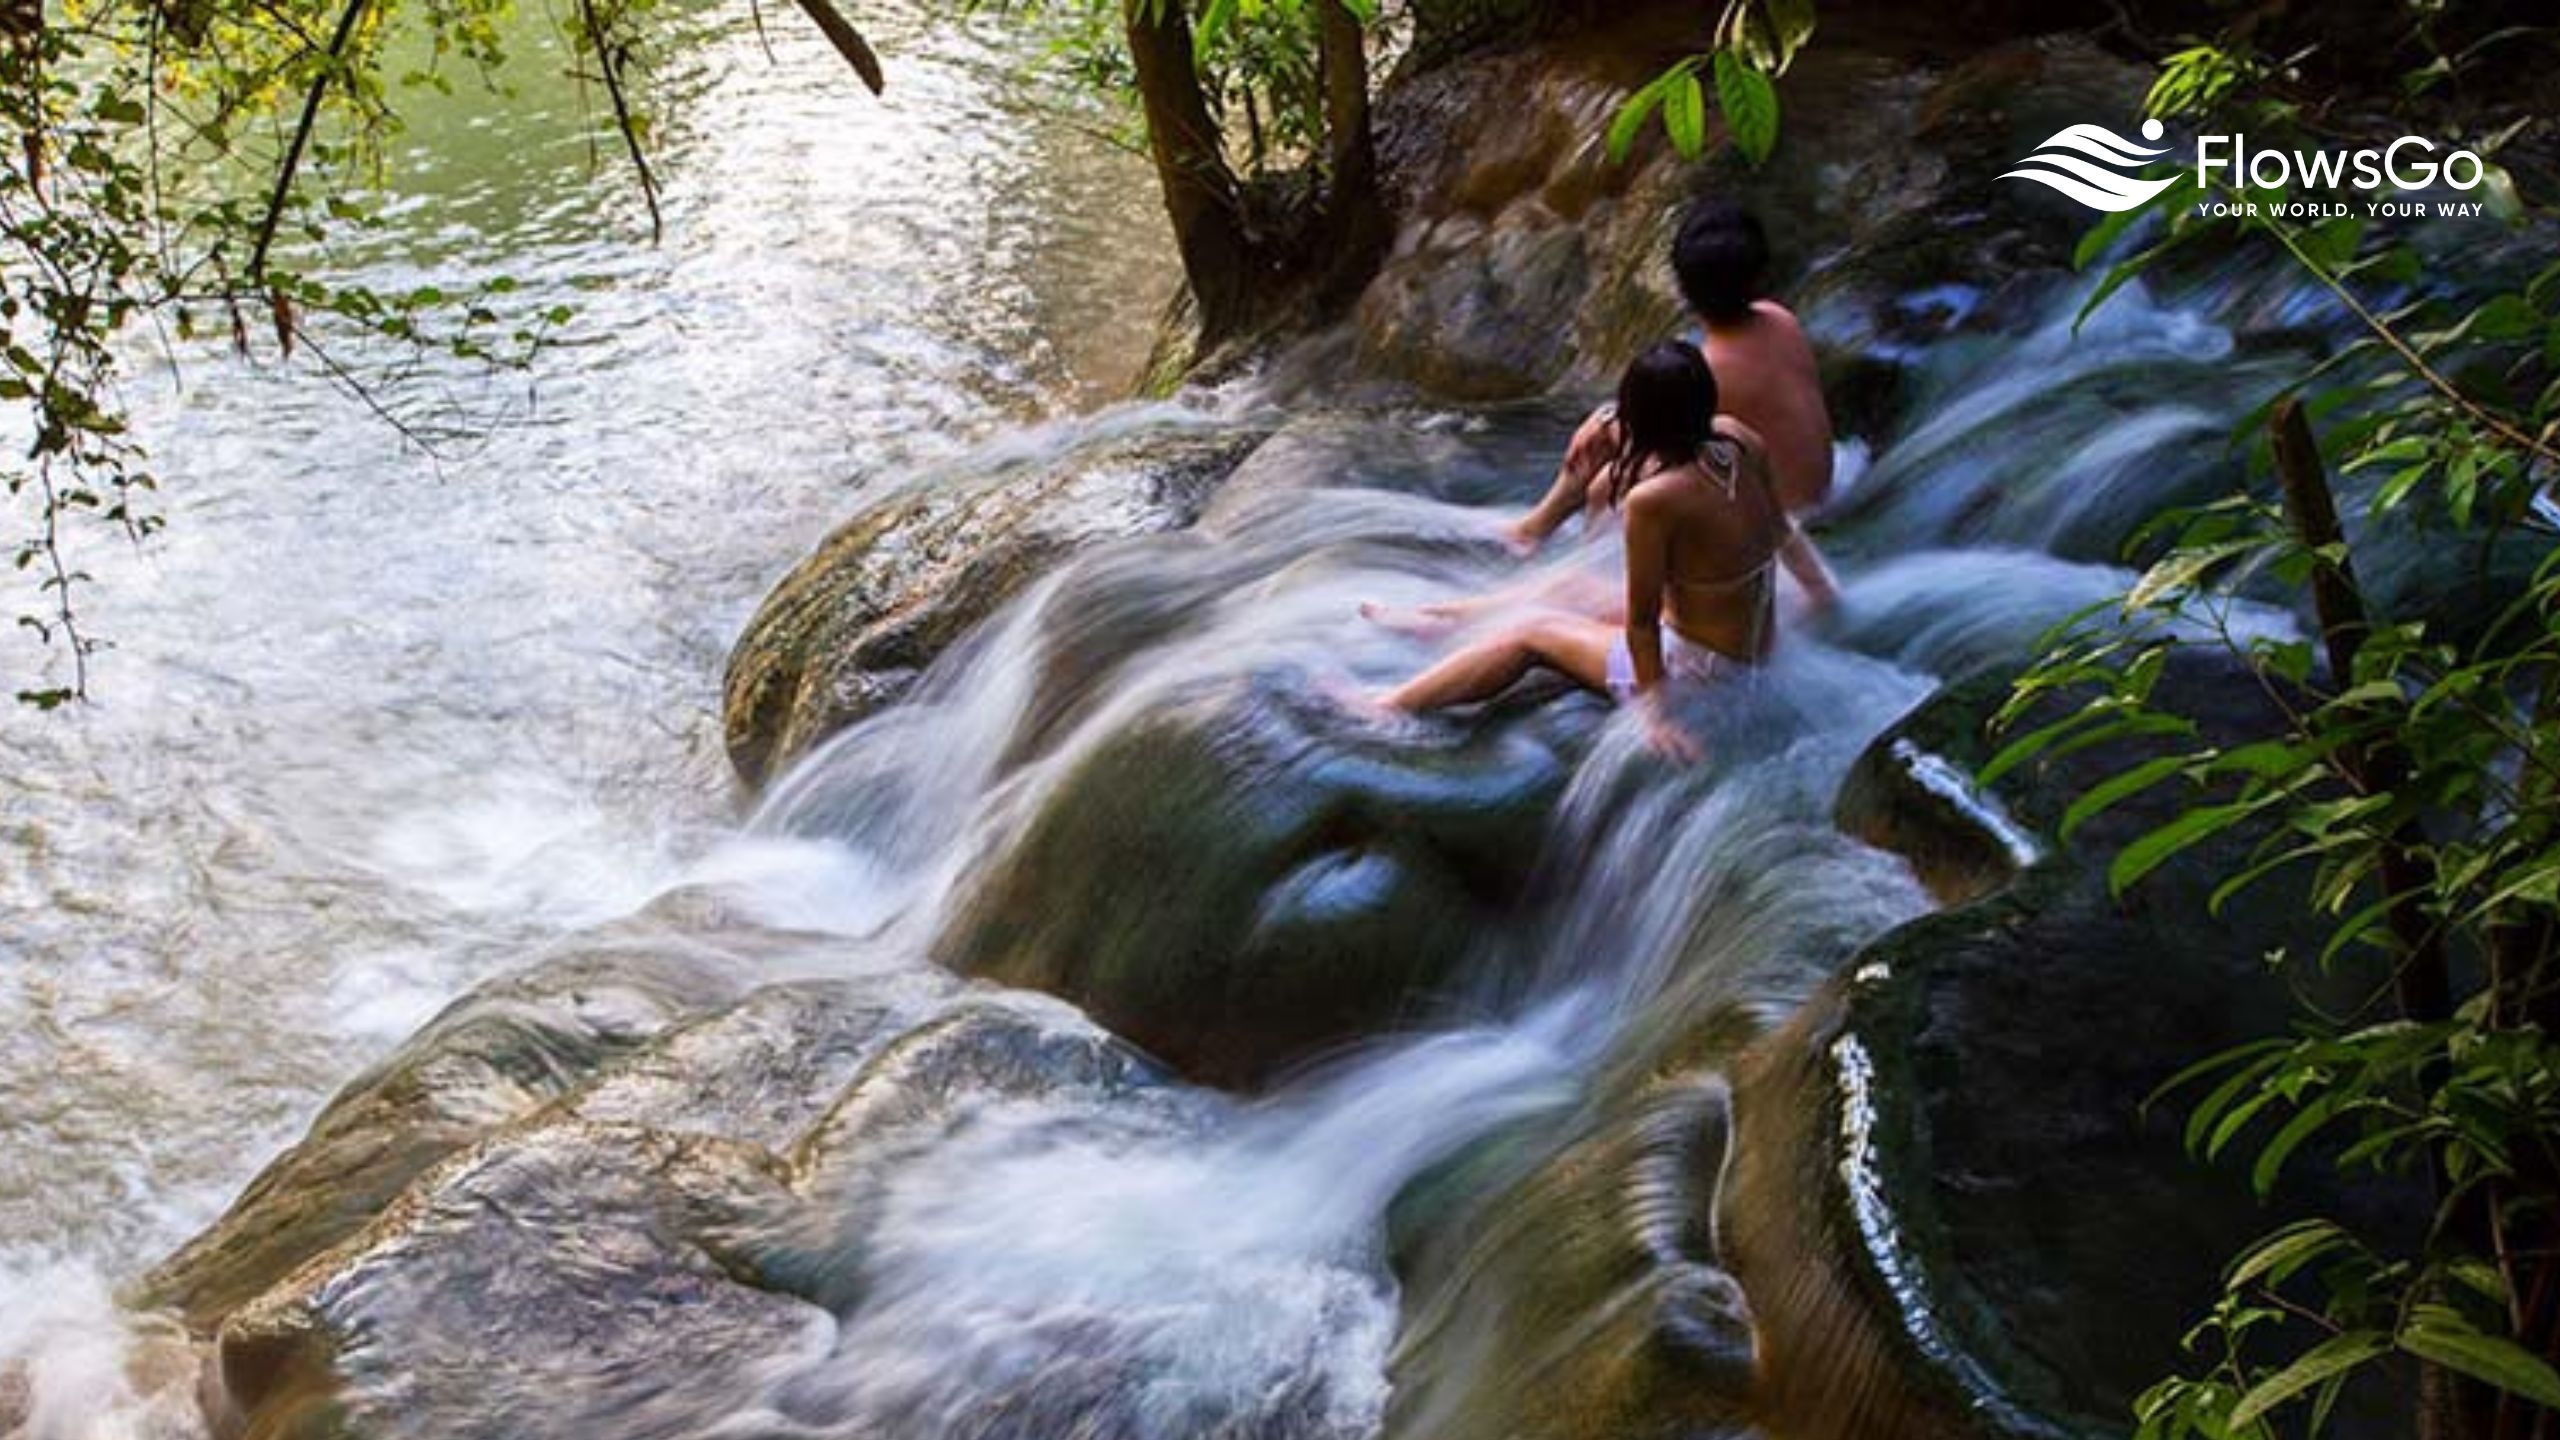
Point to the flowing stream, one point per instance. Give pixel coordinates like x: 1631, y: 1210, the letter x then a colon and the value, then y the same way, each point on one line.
x: 377, y: 720
x: 378, y: 725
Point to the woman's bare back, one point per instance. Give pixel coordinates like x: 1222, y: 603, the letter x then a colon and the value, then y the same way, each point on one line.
x: 1723, y: 530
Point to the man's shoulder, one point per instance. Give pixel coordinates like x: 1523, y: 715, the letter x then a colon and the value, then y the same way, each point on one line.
x: 1773, y: 329
x: 1749, y: 434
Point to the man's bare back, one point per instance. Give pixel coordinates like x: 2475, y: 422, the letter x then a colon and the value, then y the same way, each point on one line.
x: 1767, y: 378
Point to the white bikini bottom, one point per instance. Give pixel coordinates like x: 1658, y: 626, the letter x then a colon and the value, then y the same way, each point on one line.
x: 1683, y: 659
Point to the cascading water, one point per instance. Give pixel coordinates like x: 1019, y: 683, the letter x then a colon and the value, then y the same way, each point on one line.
x: 1086, y: 1251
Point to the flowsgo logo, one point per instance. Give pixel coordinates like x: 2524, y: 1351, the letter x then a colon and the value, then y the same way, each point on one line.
x: 2068, y: 171
x: 2100, y: 169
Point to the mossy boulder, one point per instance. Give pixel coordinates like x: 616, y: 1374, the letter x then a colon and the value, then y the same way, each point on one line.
x: 1951, y: 1206
x: 496, y: 1055
x: 1244, y: 876
x: 855, y: 624
x: 1529, y: 260
x: 1575, y: 1292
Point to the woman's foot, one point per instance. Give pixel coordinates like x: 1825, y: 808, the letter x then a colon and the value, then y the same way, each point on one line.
x: 1371, y: 707
x: 1423, y: 622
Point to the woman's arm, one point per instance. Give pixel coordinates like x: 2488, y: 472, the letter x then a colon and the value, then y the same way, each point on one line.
x: 1795, y: 548
x: 1648, y: 565
x: 1805, y: 563
x: 1593, y: 446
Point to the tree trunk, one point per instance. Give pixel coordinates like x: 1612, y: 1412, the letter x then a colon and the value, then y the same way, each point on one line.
x: 2450, y: 1407
x: 1201, y: 195
x: 2424, y: 980
x: 1355, y: 216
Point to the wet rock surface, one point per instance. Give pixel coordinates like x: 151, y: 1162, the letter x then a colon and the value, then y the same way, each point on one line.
x: 1530, y: 261
x: 852, y: 627
x: 1581, y: 1296
x: 1242, y: 878
x: 615, y: 1193
x: 564, y: 1281
x: 498, y: 1054
x: 1949, y: 1183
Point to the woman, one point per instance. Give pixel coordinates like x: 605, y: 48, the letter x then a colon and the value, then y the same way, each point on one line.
x: 1704, y: 534
x: 1770, y: 383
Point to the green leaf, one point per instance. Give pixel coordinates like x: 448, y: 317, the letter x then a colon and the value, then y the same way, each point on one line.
x: 2118, y: 788
x: 2334, y: 1356
x: 2180, y: 569
x: 2498, y: 192
x: 2333, y: 242
x: 2117, y: 277
x: 2103, y: 236
x: 2286, y: 1251
x: 2237, y: 1118
x: 2506, y: 317
x: 1631, y: 116
x: 1212, y: 24
x: 2161, y: 845
x: 2305, y: 1123
x: 1793, y: 22
x: 1684, y: 116
x: 1750, y: 105
x: 2441, y: 1337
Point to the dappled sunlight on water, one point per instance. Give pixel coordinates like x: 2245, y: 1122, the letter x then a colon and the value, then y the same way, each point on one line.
x: 376, y: 719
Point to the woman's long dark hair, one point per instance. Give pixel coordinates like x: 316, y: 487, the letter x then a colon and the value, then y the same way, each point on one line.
x: 1666, y: 412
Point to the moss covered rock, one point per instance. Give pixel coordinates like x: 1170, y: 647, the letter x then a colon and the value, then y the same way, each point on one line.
x: 496, y: 1055
x: 1951, y: 1208
x: 854, y: 625
x: 1243, y: 876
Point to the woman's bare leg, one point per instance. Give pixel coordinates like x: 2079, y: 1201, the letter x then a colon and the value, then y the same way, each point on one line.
x: 1578, y: 592
x: 1571, y: 644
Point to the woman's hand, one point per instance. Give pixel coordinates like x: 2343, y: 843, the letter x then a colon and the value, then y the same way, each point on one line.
x: 1667, y: 737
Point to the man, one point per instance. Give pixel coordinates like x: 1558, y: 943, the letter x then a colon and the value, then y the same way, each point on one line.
x: 1763, y: 364
x: 1767, y: 378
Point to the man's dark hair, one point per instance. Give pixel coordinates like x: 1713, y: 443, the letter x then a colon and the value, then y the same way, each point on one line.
x: 1721, y: 257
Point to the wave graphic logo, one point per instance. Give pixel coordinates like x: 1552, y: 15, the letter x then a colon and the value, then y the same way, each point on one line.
x: 2065, y: 162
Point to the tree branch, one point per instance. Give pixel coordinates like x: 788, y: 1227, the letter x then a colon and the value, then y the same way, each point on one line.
x: 609, y: 61
x: 311, y: 98
x: 848, y: 42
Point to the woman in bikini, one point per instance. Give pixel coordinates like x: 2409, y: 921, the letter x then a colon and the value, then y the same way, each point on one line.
x: 1770, y: 384
x: 1705, y: 533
